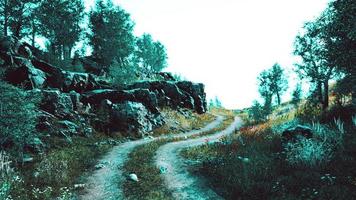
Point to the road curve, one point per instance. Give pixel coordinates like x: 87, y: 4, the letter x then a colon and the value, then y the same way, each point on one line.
x: 104, y: 183
x: 182, y: 184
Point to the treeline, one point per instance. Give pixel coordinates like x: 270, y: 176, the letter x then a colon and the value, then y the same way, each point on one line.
x: 326, y: 49
x: 68, y: 30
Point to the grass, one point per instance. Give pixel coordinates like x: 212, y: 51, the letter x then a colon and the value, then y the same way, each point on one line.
x: 54, y: 173
x: 177, y: 122
x: 141, y: 162
x: 253, y: 164
x: 151, y: 184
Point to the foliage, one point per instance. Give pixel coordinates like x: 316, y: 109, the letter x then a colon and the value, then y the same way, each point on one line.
x: 150, y: 55
x: 17, y: 16
x: 308, y: 152
x: 272, y: 82
x: 297, y: 95
x: 122, y: 74
x: 17, y: 117
x: 111, y: 34
x: 54, y: 173
x: 257, y: 112
x: 60, y: 25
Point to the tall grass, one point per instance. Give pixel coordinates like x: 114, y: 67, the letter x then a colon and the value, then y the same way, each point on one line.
x: 6, y: 175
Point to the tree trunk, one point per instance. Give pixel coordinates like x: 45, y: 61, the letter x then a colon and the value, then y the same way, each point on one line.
x: 6, y: 17
x: 319, y: 92
x: 326, y: 95
x: 278, y: 98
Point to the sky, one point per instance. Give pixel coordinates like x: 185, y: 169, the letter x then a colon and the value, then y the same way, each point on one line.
x: 225, y: 44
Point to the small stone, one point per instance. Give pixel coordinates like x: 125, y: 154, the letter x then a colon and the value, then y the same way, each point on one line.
x: 133, y: 177
x: 99, y: 166
x: 79, y: 186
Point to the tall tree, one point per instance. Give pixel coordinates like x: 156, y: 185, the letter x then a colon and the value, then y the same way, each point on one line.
x: 61, y: 24
x: 16, y: 16
x: 278, y: 82
x: 310, y: 47
x: 111, y: 34
x: 264, y: 88
x: 151, y: 55
x: 339, y: 29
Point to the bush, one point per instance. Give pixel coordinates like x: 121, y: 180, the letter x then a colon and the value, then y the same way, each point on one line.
x: 319, y: 150
x: 17, y: 117
x: 308, y: 153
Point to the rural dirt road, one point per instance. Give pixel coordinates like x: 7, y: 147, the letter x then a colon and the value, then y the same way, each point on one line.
x: 105, y: 183
x: 177, y: 178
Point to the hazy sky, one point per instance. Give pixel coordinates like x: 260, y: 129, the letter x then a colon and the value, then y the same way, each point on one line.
x: 224, y: 44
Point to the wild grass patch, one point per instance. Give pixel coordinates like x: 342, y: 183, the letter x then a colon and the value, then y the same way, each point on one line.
x: 254, y: 164
x: 54, y: 173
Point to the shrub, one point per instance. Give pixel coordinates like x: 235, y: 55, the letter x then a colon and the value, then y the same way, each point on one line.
x: 308, y: 153
x: 319, y: 150
x: 17, y: 117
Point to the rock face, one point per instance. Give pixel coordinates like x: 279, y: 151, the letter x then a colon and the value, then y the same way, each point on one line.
x: 72, y: 102
x: 295, y: 133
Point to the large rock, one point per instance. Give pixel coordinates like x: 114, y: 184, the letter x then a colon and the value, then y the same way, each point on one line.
x: 57, y: 103
x: 143, y: 96
x: 79, y: 82
x: 176, y: 94
x: 197, y: 92
x: 25, y: 74
x: 296, y: 133
x: 55, y: 76
x: 131, y: 117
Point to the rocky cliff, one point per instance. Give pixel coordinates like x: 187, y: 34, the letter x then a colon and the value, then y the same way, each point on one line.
x: 75, y: 103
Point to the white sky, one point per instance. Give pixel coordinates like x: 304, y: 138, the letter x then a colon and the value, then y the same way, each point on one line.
x: 224, y: 44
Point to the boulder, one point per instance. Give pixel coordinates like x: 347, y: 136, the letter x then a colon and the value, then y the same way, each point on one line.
x: 296, y: 133
x: 25, y: 74
x: 55, y: 76
x: 183, y: 94
x: 68, y: 128
x: 57, y: 103
x: 78, y: 82
x: 143, y: 96
x: 131, y: 117
x: 128, y: 117
x: 197, y: 92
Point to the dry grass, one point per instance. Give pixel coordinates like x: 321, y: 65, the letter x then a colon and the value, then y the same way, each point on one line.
x: 177, y: 122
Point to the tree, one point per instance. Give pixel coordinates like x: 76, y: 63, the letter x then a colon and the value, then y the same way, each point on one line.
x: 151, y: 55
x: 111, y: 34
x: 256, y: 112
x: 297, y: 95
x: 60, y: 22
x: 265, y: 90
x: 278, y: 82
x: 338, y: 26
x: 310, y: 47
x: 16, y: 16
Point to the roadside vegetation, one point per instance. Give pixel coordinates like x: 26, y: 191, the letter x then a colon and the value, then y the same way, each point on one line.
x: 255, y: 163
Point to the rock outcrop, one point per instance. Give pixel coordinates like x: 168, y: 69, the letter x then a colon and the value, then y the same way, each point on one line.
x: 73, y: 102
